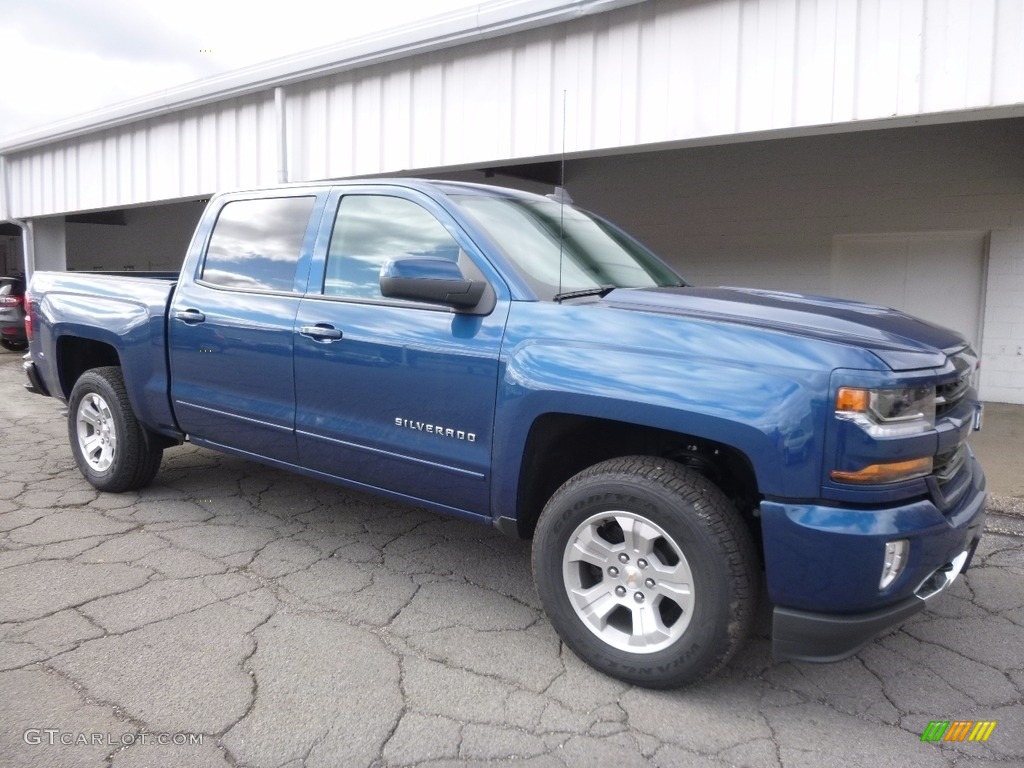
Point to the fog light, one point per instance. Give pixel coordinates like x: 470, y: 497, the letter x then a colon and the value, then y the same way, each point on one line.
x: 895, y: 561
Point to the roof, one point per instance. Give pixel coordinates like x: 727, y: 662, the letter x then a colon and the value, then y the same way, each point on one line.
x: 481, y: 22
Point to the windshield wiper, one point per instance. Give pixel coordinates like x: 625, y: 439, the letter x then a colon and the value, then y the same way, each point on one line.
x: 601, y: 290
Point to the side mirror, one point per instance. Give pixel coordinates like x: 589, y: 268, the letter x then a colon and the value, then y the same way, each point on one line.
x: 430, y: 279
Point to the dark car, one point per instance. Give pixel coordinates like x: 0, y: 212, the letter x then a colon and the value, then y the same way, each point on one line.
x: 12, y: 313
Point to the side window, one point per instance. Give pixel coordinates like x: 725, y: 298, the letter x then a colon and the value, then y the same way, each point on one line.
x: 255, y: 244
x: 369, y: 230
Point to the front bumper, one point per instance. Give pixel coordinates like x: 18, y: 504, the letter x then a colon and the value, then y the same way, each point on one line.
x: 823, y: 566
x: 807, y: 636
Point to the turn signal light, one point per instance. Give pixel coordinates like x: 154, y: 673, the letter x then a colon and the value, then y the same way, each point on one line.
x: 850, y: 400
x: 890, y: 472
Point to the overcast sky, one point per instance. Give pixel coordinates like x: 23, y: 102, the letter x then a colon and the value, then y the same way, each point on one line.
x: 62, y: 58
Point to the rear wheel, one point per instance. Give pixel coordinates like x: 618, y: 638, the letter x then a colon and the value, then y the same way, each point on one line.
x: 110, y: 446
x: 646, y: 571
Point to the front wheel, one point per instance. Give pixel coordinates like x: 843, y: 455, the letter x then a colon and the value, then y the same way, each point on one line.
x: 646, y: 571
x: 110, y: 446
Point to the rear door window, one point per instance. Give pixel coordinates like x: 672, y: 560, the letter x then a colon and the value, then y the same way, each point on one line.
x: 255, y: 245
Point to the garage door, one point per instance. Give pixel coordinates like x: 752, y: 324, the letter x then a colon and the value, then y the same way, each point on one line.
x: 938, y: 277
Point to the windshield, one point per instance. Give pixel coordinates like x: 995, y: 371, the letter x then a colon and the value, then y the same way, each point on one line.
x: 593, y: 254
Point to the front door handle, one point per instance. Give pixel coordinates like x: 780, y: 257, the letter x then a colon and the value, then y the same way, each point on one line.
x: 321, y: 332
x: 190, y: 316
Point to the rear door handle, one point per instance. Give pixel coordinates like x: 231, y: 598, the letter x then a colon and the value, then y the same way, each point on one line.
x: 190, y: 316
x: 321, y: 332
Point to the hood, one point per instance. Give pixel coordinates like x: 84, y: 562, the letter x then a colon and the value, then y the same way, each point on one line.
x: 902, y: 342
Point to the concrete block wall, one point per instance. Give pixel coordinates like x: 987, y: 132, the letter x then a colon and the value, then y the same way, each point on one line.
x: 153, y: 238
x: 1003, y: 360
x: 9, y: 260
x: 765, y: 213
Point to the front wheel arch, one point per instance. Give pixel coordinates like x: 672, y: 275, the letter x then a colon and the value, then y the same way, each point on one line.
x: 561, y: 445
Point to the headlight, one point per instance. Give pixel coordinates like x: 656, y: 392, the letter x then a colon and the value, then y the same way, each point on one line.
x: 888, y: 412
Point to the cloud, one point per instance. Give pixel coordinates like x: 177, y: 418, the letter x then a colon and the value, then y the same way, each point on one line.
x: 113, y: 29
x: 46, y: 85
x: 66, y: 57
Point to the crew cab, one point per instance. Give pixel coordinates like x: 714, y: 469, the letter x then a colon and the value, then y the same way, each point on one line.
x: 673, y: 451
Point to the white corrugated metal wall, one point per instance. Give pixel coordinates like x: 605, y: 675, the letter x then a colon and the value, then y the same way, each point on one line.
x: 662, y: 71
x: 222, y: 146
x: 772, y: 214
x: 654, y: 75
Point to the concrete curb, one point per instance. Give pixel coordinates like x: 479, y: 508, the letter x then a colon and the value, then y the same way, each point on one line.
x: 1012, y: 506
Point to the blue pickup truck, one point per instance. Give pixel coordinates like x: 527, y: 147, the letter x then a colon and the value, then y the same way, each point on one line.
x: 511, y: 359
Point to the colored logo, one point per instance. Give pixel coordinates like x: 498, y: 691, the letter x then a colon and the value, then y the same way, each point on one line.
x: 958, y: 730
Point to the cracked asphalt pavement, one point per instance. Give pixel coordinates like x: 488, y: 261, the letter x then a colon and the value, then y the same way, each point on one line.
x: 255, y: 618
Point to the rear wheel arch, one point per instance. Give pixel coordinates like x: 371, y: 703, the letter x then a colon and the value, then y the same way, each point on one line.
x: 76, y: 355
x: 112, y: 449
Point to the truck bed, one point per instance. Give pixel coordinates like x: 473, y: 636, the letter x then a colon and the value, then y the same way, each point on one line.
x: 122, y: 312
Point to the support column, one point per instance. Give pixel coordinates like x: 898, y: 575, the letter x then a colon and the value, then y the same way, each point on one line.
x: 47, y: 245
x: 281, y: 114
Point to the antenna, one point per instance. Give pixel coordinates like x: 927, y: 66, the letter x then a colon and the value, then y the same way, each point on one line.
x: 561, y: 199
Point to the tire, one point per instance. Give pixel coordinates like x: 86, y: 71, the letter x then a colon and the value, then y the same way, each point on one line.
x: 13, y: 346
x: 110, y: 446
x: 646, y: 571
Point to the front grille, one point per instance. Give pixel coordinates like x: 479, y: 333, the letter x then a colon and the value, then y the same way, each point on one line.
x: 946, y: 465
x: 949, y: 394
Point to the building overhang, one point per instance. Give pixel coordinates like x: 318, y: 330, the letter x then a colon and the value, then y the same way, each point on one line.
x: 473, y: 24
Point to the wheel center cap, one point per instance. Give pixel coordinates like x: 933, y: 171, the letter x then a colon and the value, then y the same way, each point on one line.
x: 631, y: 576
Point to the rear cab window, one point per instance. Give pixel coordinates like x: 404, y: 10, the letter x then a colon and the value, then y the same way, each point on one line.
x: 256, y: 244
